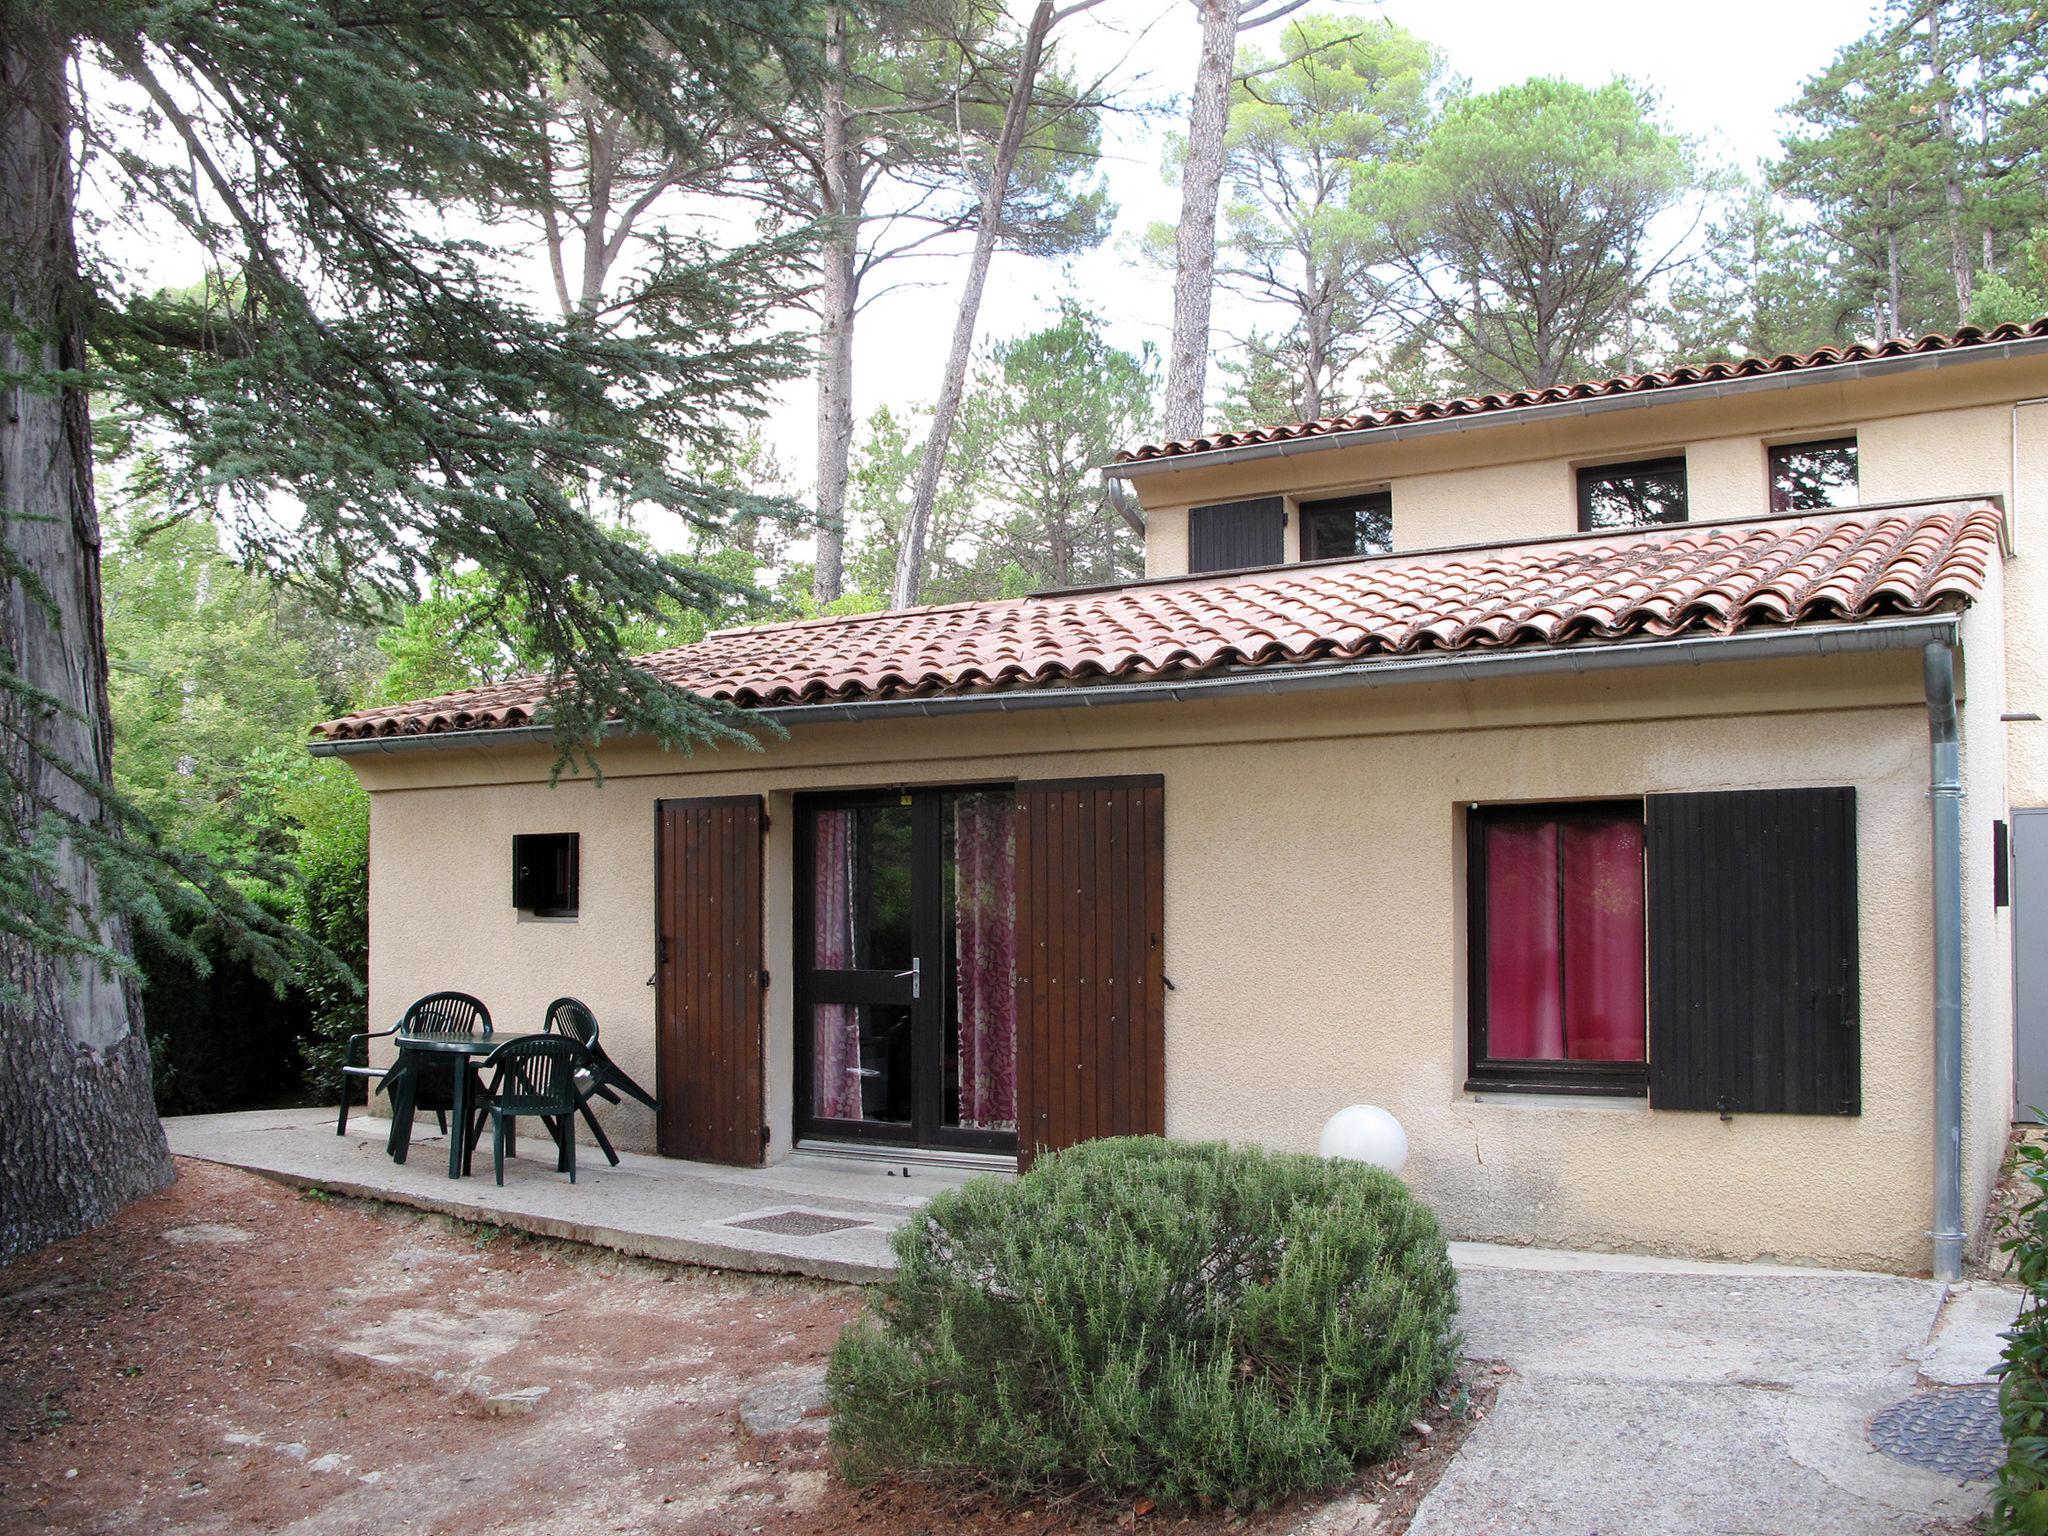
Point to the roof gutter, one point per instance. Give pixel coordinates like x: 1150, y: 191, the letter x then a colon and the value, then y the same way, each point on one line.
x: 1374, y: 672
x: 1712, y: 389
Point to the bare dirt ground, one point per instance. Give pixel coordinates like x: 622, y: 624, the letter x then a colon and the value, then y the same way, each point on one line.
x: 231, y: 1355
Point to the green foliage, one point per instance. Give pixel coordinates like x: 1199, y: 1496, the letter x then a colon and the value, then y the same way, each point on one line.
x: 1920, y: 150
x: 220, y: 1036
x: 326, y: 815
x: 2018, y: 296
x: 1021, y: 506
x: 1524, y: 229
x: 1048, y: 409
x: 1139, y: 1318
x: 358, y: 392
x: 377, y: 370
x: 206, y: 665
x: 2020, y: 1504
x: 1309, y: 129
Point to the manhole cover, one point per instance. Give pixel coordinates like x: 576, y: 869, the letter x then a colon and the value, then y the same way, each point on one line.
x: 799, y: 1223
x: 1950, y: 1429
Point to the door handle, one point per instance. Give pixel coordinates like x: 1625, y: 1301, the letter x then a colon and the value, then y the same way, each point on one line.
x: 916, y: 975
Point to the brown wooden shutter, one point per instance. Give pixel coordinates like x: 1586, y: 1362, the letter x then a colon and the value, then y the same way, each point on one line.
x: 1236, y: 535
x: 1752, y: 951
x: 1091, y: 982
x: 708, y: 980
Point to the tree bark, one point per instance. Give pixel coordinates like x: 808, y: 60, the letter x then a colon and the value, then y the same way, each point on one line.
x: 79, y: 1136
x: 1201, y: 187
x: 1952, y: 181
x: 838, y: 294
x: 909, y: 581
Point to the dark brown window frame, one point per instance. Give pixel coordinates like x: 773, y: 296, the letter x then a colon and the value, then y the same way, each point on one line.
x: 1307, y: 512
x: 1602, y: 1079
x: 1772, y: 452
x: 1587, y: 474
x: 571, y: 856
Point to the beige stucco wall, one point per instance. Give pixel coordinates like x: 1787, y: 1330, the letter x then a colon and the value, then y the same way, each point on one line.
x: 1313, y: 924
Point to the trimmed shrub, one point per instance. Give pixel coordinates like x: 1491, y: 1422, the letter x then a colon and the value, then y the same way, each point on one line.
x: 1192, y: 1323
x: 2020, y: 1503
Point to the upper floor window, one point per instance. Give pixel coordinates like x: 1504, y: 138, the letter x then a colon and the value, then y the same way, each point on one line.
x: 1638, y: 495
x: 1810, y: 477
x: 1348, y: 525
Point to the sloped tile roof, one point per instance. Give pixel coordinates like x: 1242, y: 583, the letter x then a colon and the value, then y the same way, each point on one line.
x: 1590, y: 589
x: 1591, y: 389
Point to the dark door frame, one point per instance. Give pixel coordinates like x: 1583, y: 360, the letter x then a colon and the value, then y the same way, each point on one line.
x: 934, y: 952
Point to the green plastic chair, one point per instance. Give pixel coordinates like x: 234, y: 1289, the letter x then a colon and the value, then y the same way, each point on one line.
x: 537, y: 1077
x: 428, y: 1082
x: 438, y: 1013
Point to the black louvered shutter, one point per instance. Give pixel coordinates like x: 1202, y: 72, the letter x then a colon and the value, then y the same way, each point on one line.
x: 1232, y: 535
x: 1752, y: 952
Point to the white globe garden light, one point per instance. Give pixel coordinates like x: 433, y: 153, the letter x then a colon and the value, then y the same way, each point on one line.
x: 1365, y: 1133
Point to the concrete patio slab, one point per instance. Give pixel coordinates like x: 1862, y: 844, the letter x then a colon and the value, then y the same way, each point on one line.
x: 655, y: 1207
x: 1724, y: 1400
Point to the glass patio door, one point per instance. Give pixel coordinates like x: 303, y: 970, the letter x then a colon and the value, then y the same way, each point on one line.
x: 906, y: 968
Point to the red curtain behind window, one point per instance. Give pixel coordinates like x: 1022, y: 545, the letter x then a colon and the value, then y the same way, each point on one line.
x: 1603, y: 940
x: 1524, y: 1021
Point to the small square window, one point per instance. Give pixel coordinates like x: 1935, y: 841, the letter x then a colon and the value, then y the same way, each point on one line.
x: 1639, y: 495
x: 1558, y: 972
x: 1811, y: 477
x: 1348, y: 525
x: 545, y: 873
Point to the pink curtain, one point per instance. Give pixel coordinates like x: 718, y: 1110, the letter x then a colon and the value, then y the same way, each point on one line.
x: 1564, y: 970
x: 984, y: 940
x: 835, y: 1029
x: 1524, y: 1014
x: 1603, y: 951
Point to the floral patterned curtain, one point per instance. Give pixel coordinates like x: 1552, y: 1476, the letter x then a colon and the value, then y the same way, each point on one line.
x: 835, y: 1031
x: 984, y: 939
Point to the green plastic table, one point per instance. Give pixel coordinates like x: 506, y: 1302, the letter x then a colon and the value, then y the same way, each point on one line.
x: 468, y: 1047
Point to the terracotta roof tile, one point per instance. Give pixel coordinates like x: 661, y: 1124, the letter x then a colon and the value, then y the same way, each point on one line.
x: 1591, y: 389
x: 1840, y: 568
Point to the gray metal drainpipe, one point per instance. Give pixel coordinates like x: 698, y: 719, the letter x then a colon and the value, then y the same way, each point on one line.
x: 1945, y: 802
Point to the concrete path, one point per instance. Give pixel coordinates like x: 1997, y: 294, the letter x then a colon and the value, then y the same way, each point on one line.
x: 1643, y: 1396
x: 656, y: 1207
x: 1647, y: 1398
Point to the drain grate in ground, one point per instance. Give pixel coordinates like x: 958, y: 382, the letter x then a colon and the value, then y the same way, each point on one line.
x: 800, y: 1223
x: 1950, y: 1429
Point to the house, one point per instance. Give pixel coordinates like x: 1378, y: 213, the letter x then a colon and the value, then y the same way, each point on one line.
x: 1613, y: 781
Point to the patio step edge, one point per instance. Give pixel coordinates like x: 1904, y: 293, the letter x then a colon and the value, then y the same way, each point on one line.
x: 703, y: 1253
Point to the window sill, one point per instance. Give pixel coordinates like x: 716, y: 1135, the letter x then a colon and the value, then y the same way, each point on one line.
x: 1609, y: 1101
x: 548, y: 917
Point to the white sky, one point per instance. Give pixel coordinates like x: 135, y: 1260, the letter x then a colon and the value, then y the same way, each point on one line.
x: 1721, y: 73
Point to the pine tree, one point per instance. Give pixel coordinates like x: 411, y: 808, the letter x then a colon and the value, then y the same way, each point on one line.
x: 358, y: 394
x: 1307, y: 129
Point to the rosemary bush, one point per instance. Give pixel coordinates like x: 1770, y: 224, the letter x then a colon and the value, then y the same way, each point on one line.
x: 2021, y: 1502
x: 1193, y: 1323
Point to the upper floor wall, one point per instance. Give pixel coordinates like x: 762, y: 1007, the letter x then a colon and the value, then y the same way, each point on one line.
x: 1964, y: 428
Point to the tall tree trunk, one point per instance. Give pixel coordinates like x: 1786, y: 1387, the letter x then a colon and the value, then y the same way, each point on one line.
x: 79, y: 1135
x: 924, y: 494
x: 1317, y: 326
x: 1952, y: 178
x: 1201, y: 187
x: 1889, y: 326
x: 838, y: 293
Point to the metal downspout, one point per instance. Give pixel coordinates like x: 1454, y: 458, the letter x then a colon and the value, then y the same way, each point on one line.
x: 1945, y: 803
